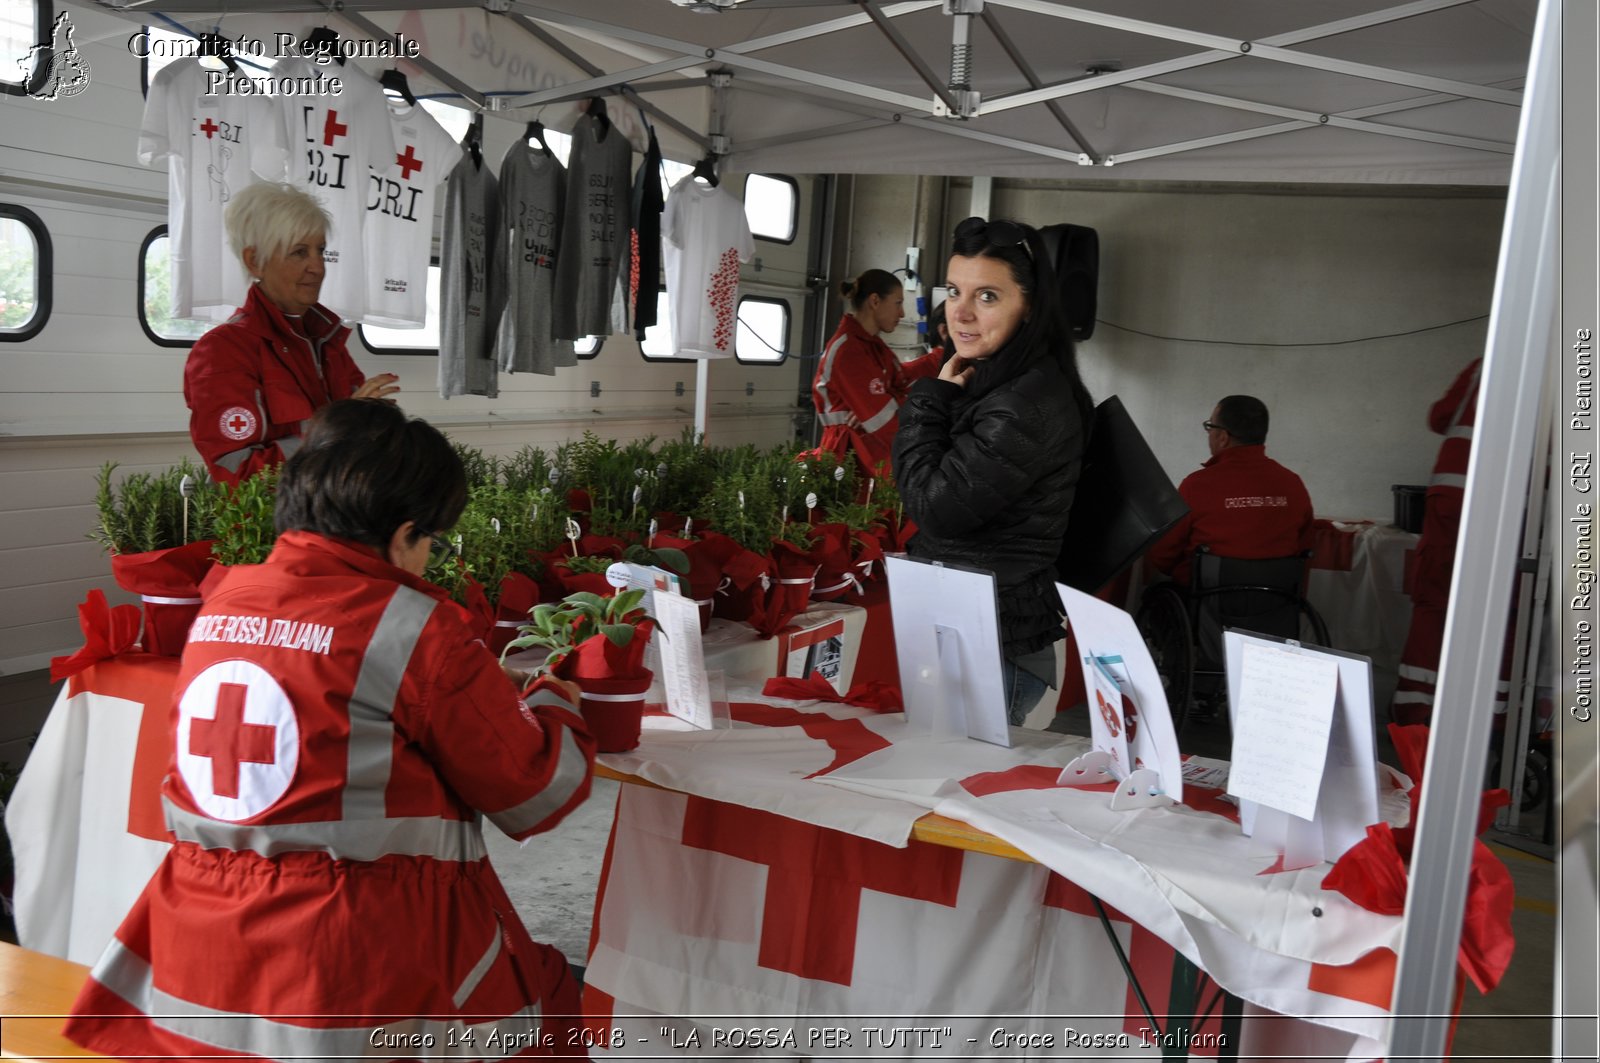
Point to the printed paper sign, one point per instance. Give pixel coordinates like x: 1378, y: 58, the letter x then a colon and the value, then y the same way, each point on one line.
x: 1108, y: 722
x: 683, y: 660
x: 1280, y: 727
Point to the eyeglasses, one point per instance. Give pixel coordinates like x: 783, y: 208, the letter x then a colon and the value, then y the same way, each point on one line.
x: 1000, y: 233
x: 440, y: 550
x: 1212, y: 426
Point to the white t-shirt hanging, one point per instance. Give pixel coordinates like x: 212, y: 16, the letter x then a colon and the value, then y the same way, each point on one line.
x: 333, y: 142
x: 704, y: 237
x: 399, y: 226
x: 211, y: 144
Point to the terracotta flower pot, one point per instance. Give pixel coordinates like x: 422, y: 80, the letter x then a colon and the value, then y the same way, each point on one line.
x: 613, y: 709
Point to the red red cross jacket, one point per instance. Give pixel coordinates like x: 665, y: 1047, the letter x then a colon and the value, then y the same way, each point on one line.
x: 1453, y: 417
x: 859, y: 376
x: 338, y: 731
x: 1241, y: 504
x: 252, y: 382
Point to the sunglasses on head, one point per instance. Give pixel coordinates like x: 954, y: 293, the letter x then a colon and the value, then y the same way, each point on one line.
x: 999, y: 233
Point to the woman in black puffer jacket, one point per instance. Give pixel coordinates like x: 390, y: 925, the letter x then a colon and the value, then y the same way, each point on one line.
x: 988, y: 455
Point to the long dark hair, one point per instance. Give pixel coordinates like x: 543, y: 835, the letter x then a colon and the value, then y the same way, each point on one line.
x: 1044, y: 332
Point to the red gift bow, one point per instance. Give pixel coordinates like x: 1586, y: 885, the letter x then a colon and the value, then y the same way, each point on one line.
x: 107, y: 632
x: 1374, y: 871
x: 872, y: 694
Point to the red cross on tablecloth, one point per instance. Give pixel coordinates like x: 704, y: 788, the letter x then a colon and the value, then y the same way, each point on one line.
x: 814, y: 881
x: 238, y: 423
x: 408, y: 162
x: 849, y: 739
x: 229, y: 741
x: 332, y: 127
x: 209, y: 128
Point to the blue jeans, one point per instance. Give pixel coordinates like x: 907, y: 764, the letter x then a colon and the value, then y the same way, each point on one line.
x: 1023, y: 691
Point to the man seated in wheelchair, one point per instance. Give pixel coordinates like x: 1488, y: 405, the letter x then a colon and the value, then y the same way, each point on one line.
x: 1242, y: 504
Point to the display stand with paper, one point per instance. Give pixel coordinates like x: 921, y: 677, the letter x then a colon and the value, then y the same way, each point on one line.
x: 947, y: 639
x: 1130, y: 724
x: 1304, y: 761
x: 685, y: 685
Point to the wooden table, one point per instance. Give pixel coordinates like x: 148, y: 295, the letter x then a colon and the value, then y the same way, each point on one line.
x: 36, y: 992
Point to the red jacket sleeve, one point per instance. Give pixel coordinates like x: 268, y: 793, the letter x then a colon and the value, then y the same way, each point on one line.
x: 523, y: 763
x: 1443, y: 412
x: 228, y: 420
x: 928, y: 365
x: 844, y: 383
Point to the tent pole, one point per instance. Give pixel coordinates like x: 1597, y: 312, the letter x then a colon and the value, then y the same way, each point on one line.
x: 1520, y: 325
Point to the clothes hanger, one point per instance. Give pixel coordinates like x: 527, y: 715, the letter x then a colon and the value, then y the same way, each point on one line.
x: 597, y: 111
x: 322, y: 40
x: 394, y: 81
x: 536, y: 133
x: 706, y: 170
x: 214, y: 45
x: 474, y: 140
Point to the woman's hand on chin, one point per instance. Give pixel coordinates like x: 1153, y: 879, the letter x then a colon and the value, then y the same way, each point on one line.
x: 958, y: 370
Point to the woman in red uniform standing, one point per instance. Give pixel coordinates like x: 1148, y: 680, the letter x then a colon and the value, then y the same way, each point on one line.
x: 860, y: 384
x: 252, y: 383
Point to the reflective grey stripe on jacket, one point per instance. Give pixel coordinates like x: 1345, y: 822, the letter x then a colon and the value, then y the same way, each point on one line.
x: 881, y: 418
x: 358, y: 839
x: 569, y: 773
x: 371, y: 749
x: 234, y: 460
x: 825, y: 373
x: 1447, y: 479
x: 128, y: 976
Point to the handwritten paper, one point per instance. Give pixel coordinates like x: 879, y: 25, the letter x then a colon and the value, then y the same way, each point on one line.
x: 1281, y: 723
x: 683, y: 660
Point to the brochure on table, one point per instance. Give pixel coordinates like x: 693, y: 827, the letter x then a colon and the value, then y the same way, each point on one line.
x: 678, y: 654
x: 1304, y: 761
x: 1130, y: 723
x: 947, y: 639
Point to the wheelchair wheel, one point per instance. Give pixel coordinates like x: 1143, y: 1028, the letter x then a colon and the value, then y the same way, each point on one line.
x: 1163, y: 621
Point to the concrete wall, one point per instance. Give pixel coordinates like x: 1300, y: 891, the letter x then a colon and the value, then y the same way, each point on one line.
x: 1275, y: 279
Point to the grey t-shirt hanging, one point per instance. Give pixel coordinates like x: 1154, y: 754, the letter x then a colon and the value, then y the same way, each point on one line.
x: 532, y: 186
x: 594, y: 231
x: 471, y: 282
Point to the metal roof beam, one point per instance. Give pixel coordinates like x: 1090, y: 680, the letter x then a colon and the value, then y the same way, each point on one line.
x: 432, y: 69
x: 1034, y: 80
x: 550, y: 41
x: 1313, y: 118
x: 1223, y: 48
x: 903, y: 46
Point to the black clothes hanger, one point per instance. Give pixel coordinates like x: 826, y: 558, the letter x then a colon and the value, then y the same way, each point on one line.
x: 216, y: 46
x: 474, y: 140
x: 394, y: 81
x: 597, y: 111
x: 536, y: 133
x: 706, y: 170
x: 322, y: 40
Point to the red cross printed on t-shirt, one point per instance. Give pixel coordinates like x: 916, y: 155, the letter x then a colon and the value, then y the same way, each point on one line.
x: 332, y: 127
x: 408, y: 162
x: 239, y: 423
x: 814, y: 881
x: 208, y: 127
x: 228, y: 741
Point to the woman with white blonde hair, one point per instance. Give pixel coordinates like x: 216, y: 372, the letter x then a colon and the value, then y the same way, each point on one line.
x: 252, y: 382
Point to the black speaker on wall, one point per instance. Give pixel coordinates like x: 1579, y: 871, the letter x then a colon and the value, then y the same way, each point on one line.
x: 1075, y: 254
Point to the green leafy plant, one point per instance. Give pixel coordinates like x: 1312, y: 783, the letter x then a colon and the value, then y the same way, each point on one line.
x: 481, y: 469
x: 526, y: 470
x: 587, y: 564
x: 145, y: 511
x: 502, y: 531
x: 667, y: 557
x: 559, y: 627
x: 242, y: 520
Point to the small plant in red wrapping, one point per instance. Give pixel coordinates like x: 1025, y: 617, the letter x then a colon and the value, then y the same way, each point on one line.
x: 619, y: 623
x: 583, y: 574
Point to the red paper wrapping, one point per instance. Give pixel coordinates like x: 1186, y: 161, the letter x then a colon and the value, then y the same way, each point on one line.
x: 597, y: 657
x: 614, y: 711
x: 108, y: 631
x: 705, y: 568
x: 837, y: 575
x: 518, y: 594
x: 591, y: 545
x: 796, y: 576
x: 169, y: 583
x: 746, y: 581
x: 573, y: 582
x: 1373, y: 872
x: 867, y: 557
x: 874, y: 695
